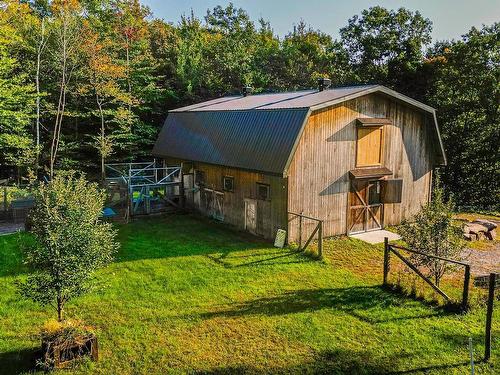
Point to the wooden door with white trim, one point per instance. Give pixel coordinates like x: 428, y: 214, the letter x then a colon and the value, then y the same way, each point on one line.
x: 365, y: 210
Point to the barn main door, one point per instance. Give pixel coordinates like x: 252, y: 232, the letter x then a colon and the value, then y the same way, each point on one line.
x: 365, y: 206
x: 251, y: 215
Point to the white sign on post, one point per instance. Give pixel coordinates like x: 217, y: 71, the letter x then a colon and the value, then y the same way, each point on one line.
x: 280, y: 238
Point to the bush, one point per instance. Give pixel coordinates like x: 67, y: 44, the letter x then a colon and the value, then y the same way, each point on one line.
x: 432, y: 231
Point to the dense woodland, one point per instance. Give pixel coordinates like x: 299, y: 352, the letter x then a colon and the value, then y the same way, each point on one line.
x: 83, y: 83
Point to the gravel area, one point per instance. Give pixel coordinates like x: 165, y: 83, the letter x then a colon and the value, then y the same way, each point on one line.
x: 483, y: 262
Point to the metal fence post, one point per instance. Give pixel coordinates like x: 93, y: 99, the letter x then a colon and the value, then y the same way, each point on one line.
x: 465, y: 294
x: 320, y: 238
x: 386, y: 259
x: 489, y: 317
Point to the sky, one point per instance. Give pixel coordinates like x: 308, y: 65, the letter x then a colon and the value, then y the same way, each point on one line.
x: 451, y: 19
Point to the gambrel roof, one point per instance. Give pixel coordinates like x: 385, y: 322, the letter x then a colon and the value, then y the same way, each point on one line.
x: 256, y: 132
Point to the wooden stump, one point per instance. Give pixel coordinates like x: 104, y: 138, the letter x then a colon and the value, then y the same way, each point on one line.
x: 61, y: 355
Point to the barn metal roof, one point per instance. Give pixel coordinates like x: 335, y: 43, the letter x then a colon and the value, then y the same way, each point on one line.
x: 256, y: 132
x: 259, y: 140
x: 282, y: 100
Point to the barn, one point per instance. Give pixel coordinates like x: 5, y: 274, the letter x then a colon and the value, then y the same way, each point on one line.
x: 357, y: 158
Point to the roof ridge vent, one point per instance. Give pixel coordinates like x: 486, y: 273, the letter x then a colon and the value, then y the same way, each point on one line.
x: 323, y: 83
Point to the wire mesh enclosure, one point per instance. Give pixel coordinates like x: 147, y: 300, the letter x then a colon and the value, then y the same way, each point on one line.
x: 143, y: 188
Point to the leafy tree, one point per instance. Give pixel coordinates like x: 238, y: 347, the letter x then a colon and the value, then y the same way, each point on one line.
x: 65, y: 43
x: 311, y: 54
x: 386, y: 46
x: 70, y: 241
x: 103, y: 82
x: 463, y: 84
x: 432, y: 231
x: 17, y: 94
x: 229, y: 47
x: 189, y: 64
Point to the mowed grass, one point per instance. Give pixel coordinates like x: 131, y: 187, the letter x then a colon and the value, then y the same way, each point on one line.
x: 190, y: 296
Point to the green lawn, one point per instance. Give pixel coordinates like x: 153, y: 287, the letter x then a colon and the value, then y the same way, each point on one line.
x: 189, y: 296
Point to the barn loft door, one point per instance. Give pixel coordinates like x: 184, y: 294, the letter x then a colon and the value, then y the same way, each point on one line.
x: 369, y: 147
x: 365, y: 206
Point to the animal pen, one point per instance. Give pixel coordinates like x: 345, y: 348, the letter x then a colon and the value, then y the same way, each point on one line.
x: 143, y: 188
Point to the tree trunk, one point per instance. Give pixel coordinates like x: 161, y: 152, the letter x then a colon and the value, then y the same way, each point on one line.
x: 59, y: 308
x: 37, y: 79
x: 103, y: 134
x: 128, y: 67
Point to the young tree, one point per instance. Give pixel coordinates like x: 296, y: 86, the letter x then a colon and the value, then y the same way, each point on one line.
x: 70, y: 241
x: 67, y: 28
x: 131, y: 31
x: 103, y: 82
x: 432, y: 231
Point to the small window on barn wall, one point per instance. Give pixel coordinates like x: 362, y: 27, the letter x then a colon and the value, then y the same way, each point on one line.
x: 369, y: 146
x: 228, y: 183
x: 263, y: 191
x: 199, y: 177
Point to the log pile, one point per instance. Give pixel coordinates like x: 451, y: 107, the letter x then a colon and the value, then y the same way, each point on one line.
x: 479, y: 229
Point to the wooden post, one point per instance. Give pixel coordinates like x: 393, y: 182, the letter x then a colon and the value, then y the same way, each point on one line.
x: 320, y: 239
x: 386, y: 259
x: 300, y: 230
x: 465, y: 294
x: 489, y: 317
x: 5, y: 200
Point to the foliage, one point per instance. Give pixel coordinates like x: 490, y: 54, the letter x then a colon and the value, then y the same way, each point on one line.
x: 469, y: 114
x: 433, y: 231
x: 385, y: 46
x: 113, y: 63
x: 71, y: 242
x: 16, y: 92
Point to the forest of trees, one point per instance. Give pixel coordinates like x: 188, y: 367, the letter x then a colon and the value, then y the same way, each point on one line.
x: 91, y: 81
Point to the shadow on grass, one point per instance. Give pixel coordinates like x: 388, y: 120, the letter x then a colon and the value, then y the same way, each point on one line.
x: 357, y: 301
x: 427, y: 369
x: 449, y: 307
x: 340, y: 362
x: 19, y: 362
x: 181, y: 235
x: 326, y: 362
x: 262, y: 257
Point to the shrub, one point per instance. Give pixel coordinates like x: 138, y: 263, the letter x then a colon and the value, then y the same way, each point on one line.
x: 432, y: 231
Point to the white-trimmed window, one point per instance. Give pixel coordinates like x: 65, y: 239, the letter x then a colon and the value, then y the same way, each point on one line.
x: 263, y: 191
x: 228, y: 183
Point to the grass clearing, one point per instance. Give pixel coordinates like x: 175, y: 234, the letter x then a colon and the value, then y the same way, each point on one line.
x: 189, y: 296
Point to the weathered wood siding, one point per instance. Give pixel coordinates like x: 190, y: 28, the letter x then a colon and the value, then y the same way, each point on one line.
x: 271, y: 214
x: 319, y: 172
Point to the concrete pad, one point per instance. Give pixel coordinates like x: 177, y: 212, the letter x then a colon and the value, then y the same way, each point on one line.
x: 376, y: 236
